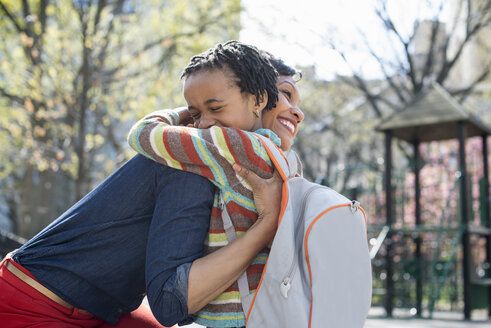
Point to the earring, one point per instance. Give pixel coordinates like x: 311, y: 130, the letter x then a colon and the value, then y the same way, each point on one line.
x: 256, y: 112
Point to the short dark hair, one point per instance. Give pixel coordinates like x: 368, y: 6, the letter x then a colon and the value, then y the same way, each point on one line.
x: 255, y: 73
x: 281, y: 67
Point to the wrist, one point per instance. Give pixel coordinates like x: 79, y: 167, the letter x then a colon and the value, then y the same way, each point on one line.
x: 184, y: 116
x: 266, y: 226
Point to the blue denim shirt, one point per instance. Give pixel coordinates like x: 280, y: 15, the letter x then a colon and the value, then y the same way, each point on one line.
x: 138, y: 232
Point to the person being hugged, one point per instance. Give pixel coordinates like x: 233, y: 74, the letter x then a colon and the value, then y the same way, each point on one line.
x: 228, y: 89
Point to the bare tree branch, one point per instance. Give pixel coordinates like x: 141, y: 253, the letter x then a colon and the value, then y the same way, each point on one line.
x: 382, y: 65
x: 361, y: 84
x: 465, y: 92
x: 384, y: 17
x: 430, y: 55
x: 371, y: 98
x: 388, y: 103
x: 470, y: 32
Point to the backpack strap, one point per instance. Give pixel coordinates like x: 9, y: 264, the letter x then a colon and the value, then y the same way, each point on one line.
x: 242, y: 282
x: 280, y: 162
x: 277, y: 157
x: 295, y: 163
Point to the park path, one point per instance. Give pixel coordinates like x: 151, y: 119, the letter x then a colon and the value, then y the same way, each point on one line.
x: 441, y: 320
x: 425, y: 323
x: 413, y: 323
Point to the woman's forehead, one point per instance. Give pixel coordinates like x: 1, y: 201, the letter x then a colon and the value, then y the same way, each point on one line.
x: 286, y: 79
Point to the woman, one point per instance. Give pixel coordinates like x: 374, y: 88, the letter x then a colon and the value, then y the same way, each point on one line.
x: 219, y: 97
x: 95, y: 262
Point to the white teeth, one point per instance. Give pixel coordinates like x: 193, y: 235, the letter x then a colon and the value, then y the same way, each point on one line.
x: 288, y: 125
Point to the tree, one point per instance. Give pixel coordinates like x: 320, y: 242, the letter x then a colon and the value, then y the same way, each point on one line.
x: 338, y: 133
x: 429, y: 54
x: 337, y: 138
x: 72, y: 73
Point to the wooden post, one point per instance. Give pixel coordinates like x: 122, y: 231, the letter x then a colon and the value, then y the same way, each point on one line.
x: 417, y: 241
x: 486, y: 208
x: 466, y: 265
x: 389, y: 212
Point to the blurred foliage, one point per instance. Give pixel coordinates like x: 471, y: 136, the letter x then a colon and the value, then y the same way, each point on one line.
x: 73, y: 73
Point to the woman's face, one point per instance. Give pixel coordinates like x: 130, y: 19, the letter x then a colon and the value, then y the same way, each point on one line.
x: 284, y: 118
x: 213, y: 98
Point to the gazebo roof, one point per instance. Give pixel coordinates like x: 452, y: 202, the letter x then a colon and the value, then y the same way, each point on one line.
x: 433, y: 116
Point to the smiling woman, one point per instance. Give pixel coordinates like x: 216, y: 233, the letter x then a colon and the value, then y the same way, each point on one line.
x: 227, y: 89
x: 284, y: 118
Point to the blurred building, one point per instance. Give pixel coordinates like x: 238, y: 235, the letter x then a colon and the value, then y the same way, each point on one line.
x: 475, y: 57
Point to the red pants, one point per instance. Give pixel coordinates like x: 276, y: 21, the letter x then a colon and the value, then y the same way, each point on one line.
x: 23, y: 306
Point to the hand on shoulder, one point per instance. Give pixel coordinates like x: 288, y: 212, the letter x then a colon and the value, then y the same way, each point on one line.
x: 267, y: 196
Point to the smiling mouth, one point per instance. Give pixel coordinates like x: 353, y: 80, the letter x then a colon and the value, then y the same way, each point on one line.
x: 288, y: 125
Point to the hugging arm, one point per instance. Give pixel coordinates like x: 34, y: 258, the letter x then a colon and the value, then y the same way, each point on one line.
x: 208, y: 152
x: 211, y: 153
x: 179, y: 282
x: 175, y: 239
x: 211, y: 275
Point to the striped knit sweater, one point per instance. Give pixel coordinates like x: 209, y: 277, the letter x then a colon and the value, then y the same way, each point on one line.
x: 211, y: 153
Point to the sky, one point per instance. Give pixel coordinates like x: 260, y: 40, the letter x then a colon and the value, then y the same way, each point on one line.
x: 299, y: 31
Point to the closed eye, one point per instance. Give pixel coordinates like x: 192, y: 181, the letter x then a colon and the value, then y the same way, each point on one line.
x: 287, y: 93
x: 195, y: 114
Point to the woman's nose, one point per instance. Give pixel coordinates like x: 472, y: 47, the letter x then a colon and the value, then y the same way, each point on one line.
x: 297, y: 112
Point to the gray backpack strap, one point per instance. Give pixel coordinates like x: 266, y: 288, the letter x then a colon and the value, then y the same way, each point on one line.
x: 227, y: 221
x: 294, y: 162
x: 242, y: 282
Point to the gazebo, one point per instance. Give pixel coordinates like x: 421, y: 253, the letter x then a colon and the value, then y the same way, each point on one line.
x: 436, y: 116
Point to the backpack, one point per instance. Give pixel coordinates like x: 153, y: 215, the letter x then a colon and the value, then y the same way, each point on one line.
x: 318, y: 272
